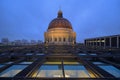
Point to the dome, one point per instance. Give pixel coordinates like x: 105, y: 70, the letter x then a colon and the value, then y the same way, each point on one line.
x: 60, y: 22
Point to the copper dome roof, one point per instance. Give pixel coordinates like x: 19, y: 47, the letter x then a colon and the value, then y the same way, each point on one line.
x: 60, y: 22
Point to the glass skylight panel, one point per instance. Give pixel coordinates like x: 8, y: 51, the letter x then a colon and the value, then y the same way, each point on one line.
x: 26, y: 62
x: 98, y: 63
x: 50, y: 71
x: 82, y: 54
x: 52, y: 62
x: 28, y: 54
x: 111, y: 69
x: 40, y: 54
x: 12, y: 71
x: 76, y: 71
x: 70, y: 62
x: 1, y: 65
x: 93, y: 54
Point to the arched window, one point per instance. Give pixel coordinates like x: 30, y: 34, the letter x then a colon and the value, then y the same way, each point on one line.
x: 60, y: 39
x: 55, y: 39
x: 64, y: 39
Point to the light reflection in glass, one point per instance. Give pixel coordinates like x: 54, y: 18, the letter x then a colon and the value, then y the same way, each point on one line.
x: 26, y: 62
x: 111, y: 69
x: 72, y: 69
x: 108, y: 68
x: 78, y: 71
x: 48, y: 70
x: 12, y: 71
x: 98, y: 63
x: 1, y: 65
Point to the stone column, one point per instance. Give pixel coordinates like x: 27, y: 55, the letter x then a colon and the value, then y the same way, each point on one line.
x: 90, y: 42
x: 96, y: 42
x: 93, y: 42
x: 87, y: 43
x: 110, y: 42
x: 52, y: 39
x: 100, y: 42
x: 104, y: 42
x: 117, y: 41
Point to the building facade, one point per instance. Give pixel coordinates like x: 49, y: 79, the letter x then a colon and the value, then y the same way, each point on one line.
x: 106, y: 41
x: 60, y: 32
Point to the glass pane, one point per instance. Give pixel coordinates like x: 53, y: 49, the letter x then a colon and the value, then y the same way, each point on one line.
x: 52, y: 62
x: 76, y: 71
x: 49, y: 71
x: 39, y: 54
x: 112, y: 70
x: 12, y: 71
x: 71, y: 63
x: 1, y: 65
x: 26, y: 62
x: 93, y: 54
x: 28, y: 54
x: 98, y: 63
x: 82, y: 54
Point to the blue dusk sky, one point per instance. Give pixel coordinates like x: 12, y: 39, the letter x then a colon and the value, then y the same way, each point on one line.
x: 29, y: 19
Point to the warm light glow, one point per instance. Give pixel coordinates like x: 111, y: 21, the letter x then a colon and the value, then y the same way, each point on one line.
x: 48, y: 73
x: 52, y: 63
x: 71, y: 63
x: 76, y: 73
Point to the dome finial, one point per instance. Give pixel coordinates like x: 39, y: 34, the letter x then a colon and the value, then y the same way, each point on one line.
x: 60, y: 13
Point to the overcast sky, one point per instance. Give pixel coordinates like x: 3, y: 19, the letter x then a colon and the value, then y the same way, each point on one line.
x: 29, y: 19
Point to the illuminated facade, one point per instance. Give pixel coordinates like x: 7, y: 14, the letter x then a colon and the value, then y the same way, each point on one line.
x: 60, y: 32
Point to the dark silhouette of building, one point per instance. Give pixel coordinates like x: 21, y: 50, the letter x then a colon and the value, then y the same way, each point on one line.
x: 106, y: 41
